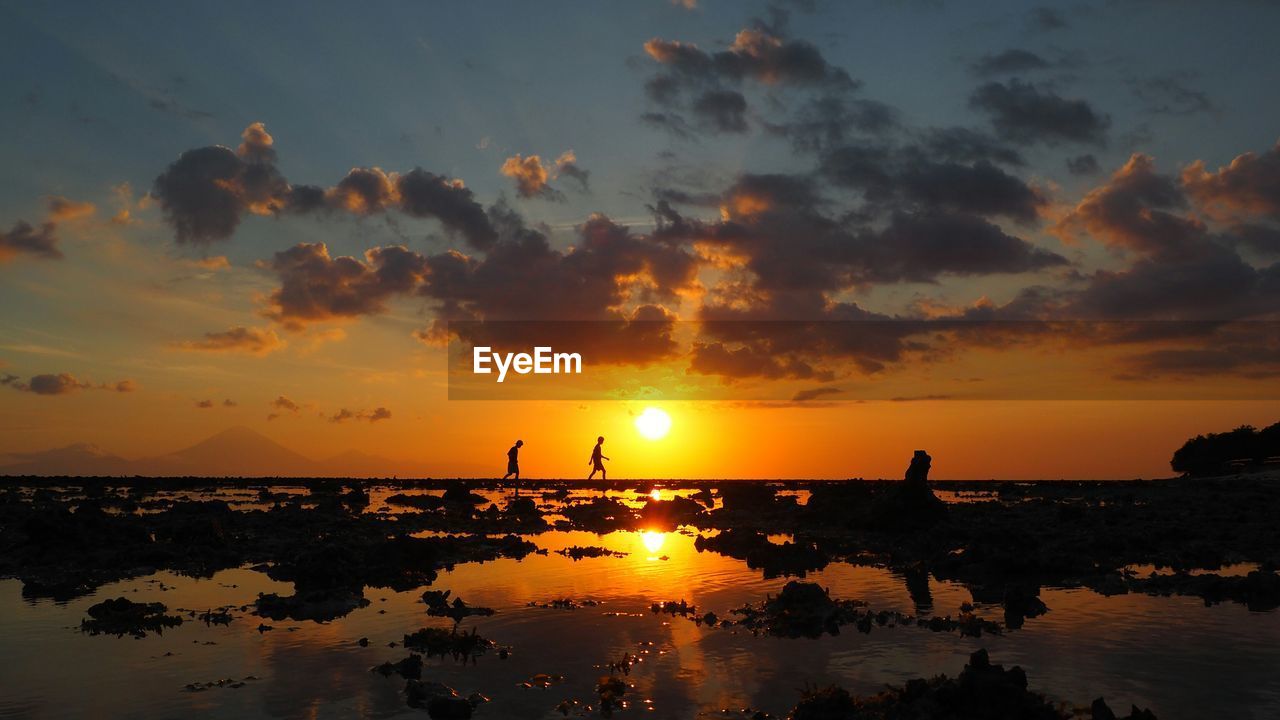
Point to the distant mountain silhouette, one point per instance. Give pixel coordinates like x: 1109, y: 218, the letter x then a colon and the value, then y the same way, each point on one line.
x: 236, y: 451
x: 77, y: 459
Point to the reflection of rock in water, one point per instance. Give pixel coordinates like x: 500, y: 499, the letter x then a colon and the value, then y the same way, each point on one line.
x: 916, y: 578
x: 983, y: 690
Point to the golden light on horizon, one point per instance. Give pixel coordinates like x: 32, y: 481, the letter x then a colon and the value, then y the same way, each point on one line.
x: 653, y: 423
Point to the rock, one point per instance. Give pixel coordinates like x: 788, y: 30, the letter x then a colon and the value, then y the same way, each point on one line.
x: 438, y: 605
x: 122, y: 616
x: 409, y: 668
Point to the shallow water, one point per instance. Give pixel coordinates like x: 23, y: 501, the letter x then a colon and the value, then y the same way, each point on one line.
x: 1174, y: 655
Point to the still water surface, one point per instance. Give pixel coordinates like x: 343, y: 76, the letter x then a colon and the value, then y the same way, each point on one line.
x: 1174, y: 655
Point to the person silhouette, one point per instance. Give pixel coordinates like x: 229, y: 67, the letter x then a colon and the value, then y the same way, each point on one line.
x: 513, y: 462
x: 597, y: 460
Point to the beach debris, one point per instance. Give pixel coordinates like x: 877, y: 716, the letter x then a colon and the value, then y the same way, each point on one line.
x: 121, y: 616
x: 438, y: 605
x: 577, y: 552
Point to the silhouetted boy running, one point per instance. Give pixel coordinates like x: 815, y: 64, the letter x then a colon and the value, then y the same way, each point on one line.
x: 597, y: 460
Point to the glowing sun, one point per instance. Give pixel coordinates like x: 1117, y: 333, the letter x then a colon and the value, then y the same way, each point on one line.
x: 653, y: 423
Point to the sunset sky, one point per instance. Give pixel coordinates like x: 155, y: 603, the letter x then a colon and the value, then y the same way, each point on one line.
x: 265, y: 216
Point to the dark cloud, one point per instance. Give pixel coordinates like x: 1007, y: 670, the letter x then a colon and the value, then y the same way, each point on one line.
x: 722, y: 110
x: 1045, y: 19
x: 830, y: 120
x: 1250, y: 185
x: 909, y: 179
x: 1184, y: 271
x: 23, y: 239
x: 567, y: 166
x: 708, y: 85
x: 283, y: 403
x: 964, y: 145
x: 371, y: 416
x: 523, y: 277
x: 1023, y: 113
x: 918, y: 248
x: 206, y: 192
x: 750, y: 362
x: 1085, y: 164
x: 315, y: 287
x: 1170, y: 95
x: 255, y: 341
x: 63, y: 384
x: 1010, y: 62
x: 814, y: 393
x: 755, y: 54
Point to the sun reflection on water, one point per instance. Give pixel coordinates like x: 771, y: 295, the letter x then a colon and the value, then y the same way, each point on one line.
x: 653, y: 540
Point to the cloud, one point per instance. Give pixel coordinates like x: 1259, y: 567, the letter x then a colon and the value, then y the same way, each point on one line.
x: 1170, y: 95
x: 61, y: 209
x: 1009, y: 62
x: 316, y: 287
x: 531, y: 177
x: 1249, y: 185
x: 62, y: 384
x: 1046, y: 19
x: 23, y: 239
x: 567, y: 166
x: 1022, y: 113
x: 831, y: 119
x: 204, y: 404
x: 708, y: 84
x: 722, y: 110
x: 750, y: 362
x: 1085, y: 164
x: 372, y: 416
x: 42, y: 241
x: 206, y: 191
x: 910, y: 180
x: 1183, y: 271
x: 283, y: 404
x: 809, y: 394
x: 254, y: 341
